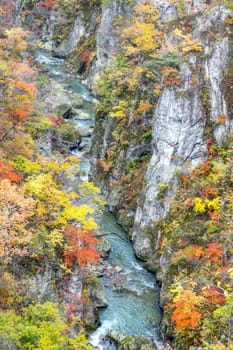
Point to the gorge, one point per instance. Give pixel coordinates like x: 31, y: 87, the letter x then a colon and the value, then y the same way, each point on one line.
x: 160, y: 149
x: 132, y: 285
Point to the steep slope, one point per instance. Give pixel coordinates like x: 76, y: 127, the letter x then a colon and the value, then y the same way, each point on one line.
x: 181, y: 117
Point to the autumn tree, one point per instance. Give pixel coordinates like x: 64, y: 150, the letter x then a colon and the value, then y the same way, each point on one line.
x: 143, y: 37
x: 7, y: 171
x: 16, y: 211
x: 17, y: 90
x: 80, y: 247
x: 185, y: 310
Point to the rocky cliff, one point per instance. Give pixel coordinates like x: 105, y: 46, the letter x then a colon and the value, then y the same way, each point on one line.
x: 180, y: 123
x: 182, y: 118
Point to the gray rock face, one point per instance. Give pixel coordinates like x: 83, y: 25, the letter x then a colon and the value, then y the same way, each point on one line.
x: 70, y: 43
x: 48, y: 30
x: 72, y: 289
x: 96, y: 291
x: 214, y: 71
x: 167, y: 10
x: 178, y: 133
x: 80, y: 30
x: 217, y: 53
x: 195, y: 6
x: 107, y: 38
x: 41, y: 287
x: 177, y: 141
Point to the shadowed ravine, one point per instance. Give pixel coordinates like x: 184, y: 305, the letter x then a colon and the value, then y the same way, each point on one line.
x: 131, y: 294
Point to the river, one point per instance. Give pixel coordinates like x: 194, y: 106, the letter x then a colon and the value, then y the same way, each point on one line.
x: 132, y: 293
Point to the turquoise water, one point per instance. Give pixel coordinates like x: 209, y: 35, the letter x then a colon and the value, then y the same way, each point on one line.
x: 57, y: 70
x: 132, y: 294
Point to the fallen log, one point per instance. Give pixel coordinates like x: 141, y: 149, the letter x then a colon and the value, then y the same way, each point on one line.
x: 111, y: 233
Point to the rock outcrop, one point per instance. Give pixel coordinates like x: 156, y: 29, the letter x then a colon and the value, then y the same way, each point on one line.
x: 126, y: 342
x: 178, y: 129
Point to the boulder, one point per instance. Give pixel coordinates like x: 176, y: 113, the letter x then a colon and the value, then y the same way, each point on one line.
x: 96, y: 291
x: 65, y: 137
x: 80, y: 115
x: 84, y: 130
x: 103, y: 247
x: 55, y: 95
x: 90, y: 314
x: 127, y: 342
x: 64, y: 110
x: 77, y: 101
